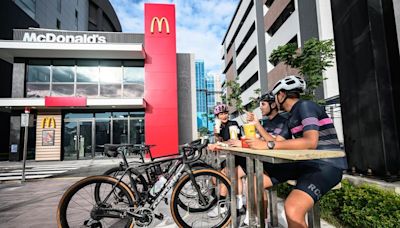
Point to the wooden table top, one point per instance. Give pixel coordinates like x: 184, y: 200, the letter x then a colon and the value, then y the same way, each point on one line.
x: 294, y: 155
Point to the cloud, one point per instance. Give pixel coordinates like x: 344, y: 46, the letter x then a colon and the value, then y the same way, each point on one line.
x: 201, y: 25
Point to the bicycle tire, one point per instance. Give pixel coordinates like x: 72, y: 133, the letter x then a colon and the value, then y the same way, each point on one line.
x: 195, y: 166
x: 184, y: 180
x: 139, y: 180
x: 71, y: 191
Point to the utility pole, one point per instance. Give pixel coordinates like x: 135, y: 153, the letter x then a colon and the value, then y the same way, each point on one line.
x: 25, y: 123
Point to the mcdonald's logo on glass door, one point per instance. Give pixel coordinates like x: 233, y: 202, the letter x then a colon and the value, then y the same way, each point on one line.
x: 159, y: 24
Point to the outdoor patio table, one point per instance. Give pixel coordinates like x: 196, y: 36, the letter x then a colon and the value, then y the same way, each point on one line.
x: 260, y: 156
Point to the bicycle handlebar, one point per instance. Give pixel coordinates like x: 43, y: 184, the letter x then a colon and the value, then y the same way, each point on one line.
x: 191, y: 148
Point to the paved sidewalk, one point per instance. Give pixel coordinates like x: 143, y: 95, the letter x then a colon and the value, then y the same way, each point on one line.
x: 34, y: 203
x: 12, y: 171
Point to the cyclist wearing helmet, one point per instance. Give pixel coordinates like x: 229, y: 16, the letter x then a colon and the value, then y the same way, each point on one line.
x: 312, y: 129
x: 274, y: 123
x: 221, y: 112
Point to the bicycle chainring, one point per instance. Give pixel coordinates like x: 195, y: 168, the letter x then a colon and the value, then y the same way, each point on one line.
x: 148, y: 217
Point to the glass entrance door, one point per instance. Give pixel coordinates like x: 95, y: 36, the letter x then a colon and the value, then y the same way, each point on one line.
x: 78, y: 140
x: 103, y: 135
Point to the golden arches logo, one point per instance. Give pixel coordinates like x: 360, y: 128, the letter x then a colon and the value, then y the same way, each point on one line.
x: 159, y: 24
x: 48, y: 122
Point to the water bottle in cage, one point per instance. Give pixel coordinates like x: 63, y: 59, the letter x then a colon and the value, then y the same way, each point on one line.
x: 158, y: 185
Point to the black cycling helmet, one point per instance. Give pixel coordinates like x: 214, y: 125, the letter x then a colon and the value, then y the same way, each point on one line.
x: 267, y: 97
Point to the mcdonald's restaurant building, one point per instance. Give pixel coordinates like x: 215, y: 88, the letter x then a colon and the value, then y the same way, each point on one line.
x: 87, y: 89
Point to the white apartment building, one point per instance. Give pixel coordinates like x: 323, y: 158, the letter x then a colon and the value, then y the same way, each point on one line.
x: 260, y: 26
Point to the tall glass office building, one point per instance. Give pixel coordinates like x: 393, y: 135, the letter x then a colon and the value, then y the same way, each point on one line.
x: 210, y: 82
x: 200, y: 94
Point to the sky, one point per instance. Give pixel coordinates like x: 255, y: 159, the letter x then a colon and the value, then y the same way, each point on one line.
x: 200, y: 26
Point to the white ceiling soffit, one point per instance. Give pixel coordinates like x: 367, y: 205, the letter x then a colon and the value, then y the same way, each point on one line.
x: 9, y: 49
x: 91, y: 103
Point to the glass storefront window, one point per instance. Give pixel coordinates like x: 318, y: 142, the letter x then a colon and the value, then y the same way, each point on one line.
x: 136, y: 114
x: 110, y: 74
x: 134, y: 75
x: 103, y: 115
x: 88, y: 78
x: 137, y: 131
x: 87, y: 90
x: 120, y: 114
x: 133, y: 90
x: 110, y: 90
x: 107, y: 127
x: 78, y: 115
x: 38, y: 73
x: 87, y: 74
x: 120, y: 131
x: 63, y: 73
x: 37, y: 90
x: 62, y: 90
x: 102, y: 135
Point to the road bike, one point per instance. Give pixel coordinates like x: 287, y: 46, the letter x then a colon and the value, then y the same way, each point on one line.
x: 145, y: 175
x: 119, y: 205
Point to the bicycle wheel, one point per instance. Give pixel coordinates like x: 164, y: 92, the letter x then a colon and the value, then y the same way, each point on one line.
x: 189, y: 191
x: 138, y: 179
x: 209, y: 192
x: 79, y: 208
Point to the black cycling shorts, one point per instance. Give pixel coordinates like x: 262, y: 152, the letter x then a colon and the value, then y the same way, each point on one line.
x: 313, y: 178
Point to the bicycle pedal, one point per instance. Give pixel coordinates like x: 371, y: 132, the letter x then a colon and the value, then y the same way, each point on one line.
x: 159, y: 216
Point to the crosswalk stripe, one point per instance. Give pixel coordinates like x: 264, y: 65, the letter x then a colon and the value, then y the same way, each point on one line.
x: 35, y: 170
x: 19, y: 177
x: 32, y: 173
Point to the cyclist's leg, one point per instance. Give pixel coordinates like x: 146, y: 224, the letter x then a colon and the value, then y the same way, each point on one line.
x: 314, y: 181
x: 240, y: 171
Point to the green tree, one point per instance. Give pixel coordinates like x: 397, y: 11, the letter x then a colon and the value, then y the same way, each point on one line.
x: 203, y: 131
x: 234, y: 98
x: 311, y: 60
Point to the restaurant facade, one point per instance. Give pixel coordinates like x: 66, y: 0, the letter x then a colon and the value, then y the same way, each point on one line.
x: 87, y: 89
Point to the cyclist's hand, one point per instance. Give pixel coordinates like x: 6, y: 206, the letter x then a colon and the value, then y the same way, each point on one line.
x: 213, y: 147
x: 234, y: 142
x: 251, y: 118
x: 257, y: 144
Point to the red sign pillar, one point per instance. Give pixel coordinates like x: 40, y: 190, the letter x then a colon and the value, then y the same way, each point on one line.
x: 161, y: 92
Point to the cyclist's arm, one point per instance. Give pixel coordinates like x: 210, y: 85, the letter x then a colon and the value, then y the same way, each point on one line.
x: 263, y: 132
x: 308, y: 141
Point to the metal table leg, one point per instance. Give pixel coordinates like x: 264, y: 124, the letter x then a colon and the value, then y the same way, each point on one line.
x: 260, y: 192
x: 251, y: 190
x: 230, y: 162
x: 273, y: 206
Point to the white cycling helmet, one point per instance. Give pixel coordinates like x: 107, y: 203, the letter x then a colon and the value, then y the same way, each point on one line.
x: 289, y: 83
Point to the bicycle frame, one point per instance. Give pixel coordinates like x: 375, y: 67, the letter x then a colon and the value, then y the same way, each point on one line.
x: 181, y: 166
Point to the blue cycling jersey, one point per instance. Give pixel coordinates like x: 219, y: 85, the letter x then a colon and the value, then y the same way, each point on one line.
x: 306, y: 115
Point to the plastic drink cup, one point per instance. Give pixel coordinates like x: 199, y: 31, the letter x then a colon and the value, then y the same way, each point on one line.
x: 244, y: 144
x: 249, y: 130
x: 217, y: 128
x: 233, y: 132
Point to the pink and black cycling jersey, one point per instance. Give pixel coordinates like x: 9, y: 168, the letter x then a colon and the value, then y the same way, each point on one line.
x: 276, y: 126
x: 306, y: 115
